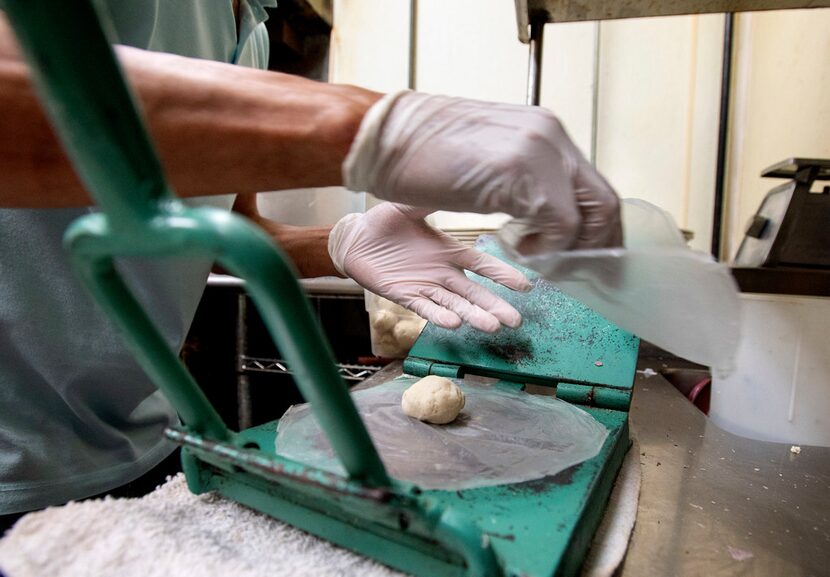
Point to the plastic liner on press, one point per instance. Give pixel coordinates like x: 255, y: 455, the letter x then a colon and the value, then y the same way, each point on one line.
x: 502, y: 436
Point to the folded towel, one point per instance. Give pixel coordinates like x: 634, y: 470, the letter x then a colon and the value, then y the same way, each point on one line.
x: 173, y: 533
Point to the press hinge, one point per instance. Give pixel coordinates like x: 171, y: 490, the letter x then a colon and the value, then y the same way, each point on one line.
x: 594, y: 396
x: 423, y: 367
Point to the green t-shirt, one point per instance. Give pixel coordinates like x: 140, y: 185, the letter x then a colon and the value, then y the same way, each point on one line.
x: 77, y: 415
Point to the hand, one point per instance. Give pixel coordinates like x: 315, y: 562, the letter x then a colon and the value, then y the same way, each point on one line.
x: 392, y: 252
x: 466, y: 155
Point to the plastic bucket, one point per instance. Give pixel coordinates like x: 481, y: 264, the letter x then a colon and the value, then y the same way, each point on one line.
x: 780, y: 390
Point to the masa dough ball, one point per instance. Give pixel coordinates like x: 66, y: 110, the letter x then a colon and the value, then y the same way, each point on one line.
x: 433, y: 399
x: 387, y: 346
x: 384, y: 321
x: 406, y: 332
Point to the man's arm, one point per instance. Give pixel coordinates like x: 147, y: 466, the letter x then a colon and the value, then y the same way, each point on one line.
x: 306, y: 246
x: 225, y: 129
x: 218, y: 128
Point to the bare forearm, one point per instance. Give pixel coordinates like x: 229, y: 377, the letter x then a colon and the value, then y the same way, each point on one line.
x: 218, y: 128
x: 306, y: 246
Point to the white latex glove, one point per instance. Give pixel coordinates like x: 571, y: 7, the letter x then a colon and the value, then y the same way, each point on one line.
x: 467, y: 155
x: 392, y: 252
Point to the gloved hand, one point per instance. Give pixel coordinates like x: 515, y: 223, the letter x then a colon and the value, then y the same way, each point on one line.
x: 467, y: 155
x: 392, y: 252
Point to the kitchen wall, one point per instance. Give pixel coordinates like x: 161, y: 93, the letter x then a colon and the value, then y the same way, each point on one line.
x: 781, y: 103
x: 653, y: 123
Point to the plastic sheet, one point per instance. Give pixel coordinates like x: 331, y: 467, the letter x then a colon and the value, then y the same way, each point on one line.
x: 657, y: 288
x: 502, y: 436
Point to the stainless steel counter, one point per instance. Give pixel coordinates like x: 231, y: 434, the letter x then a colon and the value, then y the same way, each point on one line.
x: 714, y: 504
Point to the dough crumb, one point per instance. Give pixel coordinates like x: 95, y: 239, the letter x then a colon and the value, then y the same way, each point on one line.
x: 433, y: 399
x: 795, y: 449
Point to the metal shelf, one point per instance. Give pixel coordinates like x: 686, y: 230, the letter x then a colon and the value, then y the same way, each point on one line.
x: 247, y: 364
x: 533, y: 11
x: 353, y: 373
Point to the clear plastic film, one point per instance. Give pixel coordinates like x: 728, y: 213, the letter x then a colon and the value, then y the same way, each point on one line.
x: 502, y: 436
x: 657, y: 288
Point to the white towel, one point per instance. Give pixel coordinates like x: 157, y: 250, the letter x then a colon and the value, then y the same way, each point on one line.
x: 173, y: 533
x: 612, y: 536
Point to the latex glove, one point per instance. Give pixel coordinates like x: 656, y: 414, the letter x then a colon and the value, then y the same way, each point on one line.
x: 467, y: 155
x: 392, y: 252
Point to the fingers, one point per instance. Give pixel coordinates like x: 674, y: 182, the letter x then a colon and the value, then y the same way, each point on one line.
x: 483, y: 299
x: 552, y: 228
x: 437, y: 315
x: 533, y: 236
x: 496, y: 270
x: 584, y: 214
x: 599, y: 207
x: 476, y: 316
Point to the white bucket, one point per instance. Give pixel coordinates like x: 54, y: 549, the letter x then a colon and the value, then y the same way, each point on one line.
x: 780, y: 390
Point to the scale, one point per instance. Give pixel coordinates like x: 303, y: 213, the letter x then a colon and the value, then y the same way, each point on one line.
x: 536, y: 528
x: 790, y: 227
x: 784, y: 249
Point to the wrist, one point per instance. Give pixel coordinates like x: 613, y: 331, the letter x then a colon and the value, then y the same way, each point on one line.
x: 361, y: 166
x: 306, y: 247
x: 339, y: 240
x: 344, y: 123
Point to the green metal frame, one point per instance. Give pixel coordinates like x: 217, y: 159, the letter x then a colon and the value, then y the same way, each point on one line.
x: 506, y: 530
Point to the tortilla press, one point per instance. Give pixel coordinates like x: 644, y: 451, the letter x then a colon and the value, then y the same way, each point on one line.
x: 537, y: 528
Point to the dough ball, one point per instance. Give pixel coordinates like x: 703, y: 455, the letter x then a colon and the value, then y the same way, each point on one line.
x: 433, y: 399
x: 384, y: 321
x: 406, y: 332
x: 387, y: 346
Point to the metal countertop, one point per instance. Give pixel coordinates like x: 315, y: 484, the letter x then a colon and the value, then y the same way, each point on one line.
x: 713, y: 503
